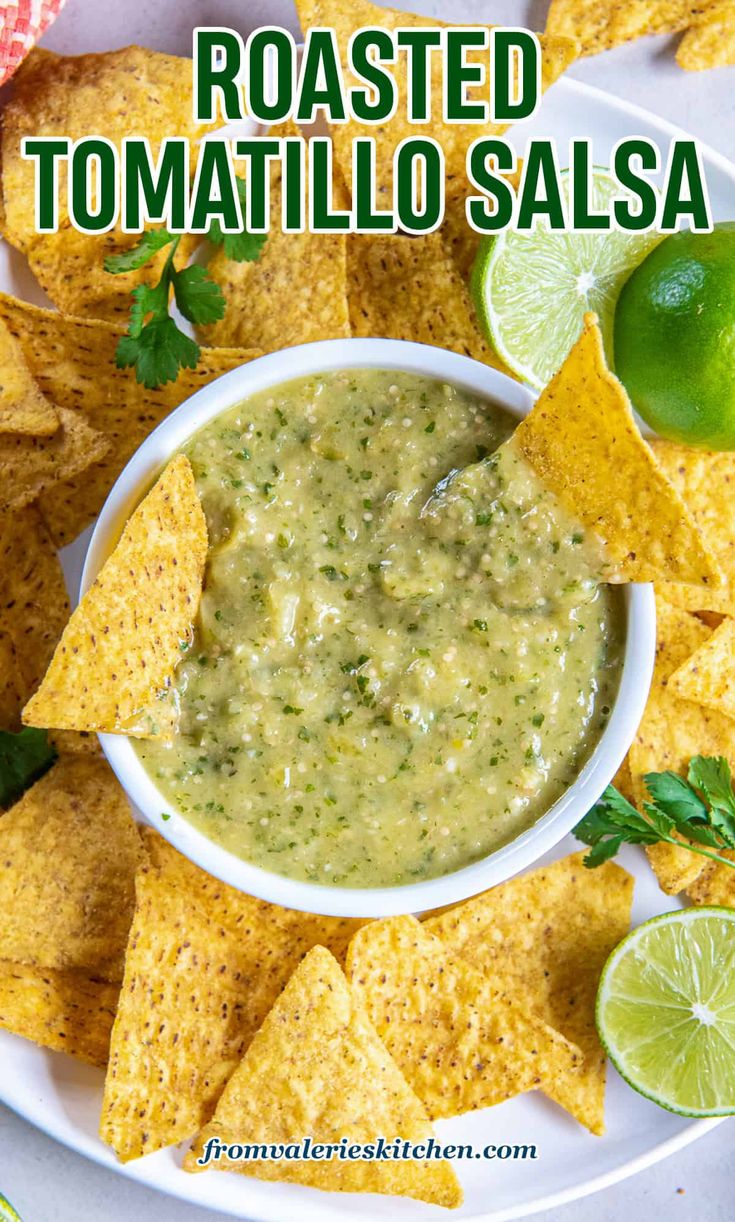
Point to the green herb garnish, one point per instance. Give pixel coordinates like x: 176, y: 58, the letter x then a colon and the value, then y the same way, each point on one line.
x: 24, y: 757
x: 701, y: 809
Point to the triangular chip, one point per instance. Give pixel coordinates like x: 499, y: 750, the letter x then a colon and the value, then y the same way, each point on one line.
x: 410, y: 288
x: 33, y: 603
x: 73, y: 361
x: 672, y: 731
x: 117, y: 654
x: 30, y: 466
x: 598, y: 26
x: 317, y: 1067
x: 204, y: 966
x: 294, y: 293
x: 128, y: 92
x: 582, y: 440
x: 708, y: 676
x: 23, y: 409
x: 11, y: 687
x: 67, y: 1011
x: 69, y: 851
x: 460, y: 1043
x: 543, y: 938
x: 706, y: 482
x: 710, y: 43
x: 455, y: 138
x: 715, y: 884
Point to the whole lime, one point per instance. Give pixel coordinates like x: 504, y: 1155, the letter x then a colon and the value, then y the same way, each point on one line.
x: 674, y: 338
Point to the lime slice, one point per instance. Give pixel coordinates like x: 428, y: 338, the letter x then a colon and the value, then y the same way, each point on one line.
x: 532, y: 290
x: 7, y: 1213
x: 666, y: 1011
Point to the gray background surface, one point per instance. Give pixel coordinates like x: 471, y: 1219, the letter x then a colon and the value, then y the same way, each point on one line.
x: 48, y: 1183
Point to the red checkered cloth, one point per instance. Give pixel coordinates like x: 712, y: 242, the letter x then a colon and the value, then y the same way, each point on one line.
x: 22, y: 22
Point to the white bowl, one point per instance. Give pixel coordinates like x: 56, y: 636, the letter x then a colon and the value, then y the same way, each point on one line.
x: 640, y: 643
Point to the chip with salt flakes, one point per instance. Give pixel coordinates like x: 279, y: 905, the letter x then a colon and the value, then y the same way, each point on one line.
x: 579, y: 432
x: 672, y: 731
x: 23, y: 409
x: 33, y: 603
x: 410, y: 288
x: 69, y: 849
x: 710, y: 41
x: 460, y: 1042
x: 214, y: 960
x: 543, y: 939
x: 455, y: 138
x: 68, y: 1011
x: 116, y: 657
x: 30, y: 466
x: 294, y: 293
x: 317, y: 1067
x: 598, y: 26
x: 65, y: 356
x: 706, y: 481
x: 708, y: 676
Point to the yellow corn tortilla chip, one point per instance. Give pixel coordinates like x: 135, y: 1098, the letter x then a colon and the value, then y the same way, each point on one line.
x: 543, y: 939
x: 317, y: 1066
x: 33, y: 601
x: 69, y: 850
x: 708, y: 676
x: 23, y: 409
x: 129, y: 92
x: 582, y: 440
x: 672, y: 731
x: 70, y: 742
x: 118, y: 652
x: 598, y: 26
x: 715, y: 884
x: 73, y: 361
x: 410, y: 288
x: 209, y: 962
x: 67, y: 1011
x: 706, y: 481
x: 710, y: 43
x: 11, y: 688
x: 296, y: 292
x: 459, y: 1042
x: 461, y: 241
x: 623, y: 780
x: 30, y: 466
x: 455, y: 138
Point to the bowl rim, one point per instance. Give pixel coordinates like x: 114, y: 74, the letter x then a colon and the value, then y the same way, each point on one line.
x: 640, y: 642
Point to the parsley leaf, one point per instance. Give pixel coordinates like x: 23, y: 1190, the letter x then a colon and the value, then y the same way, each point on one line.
x: 24, y: 757
x: 242, y: 247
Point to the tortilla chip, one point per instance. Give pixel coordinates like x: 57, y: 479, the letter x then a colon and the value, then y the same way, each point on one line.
x: 30, y: 466
x: 129, y: 92
x: 623, y: 780
x: 410, y: 288
x: 67, y: 1011
x: 205, y: 964
x: 461, y: 241
x: 23, y: 408
x: 73, y: 361
x: 118, y: 652
x: 33, y: 601
x: 715, y: 884
x: 11, y: 689
x: 672, y: 731
x: 69, y: 742
x: 460, y: 1043
x: 317, y: 1067
x: 708, y: 676
x: 583, y: 442
x: 598, y: 26
x: 543, y: 939
x: 69, y: 850
x: 706, y: 481
x: 710, y: 43
x: 296, y: 292
x: 455, y: 138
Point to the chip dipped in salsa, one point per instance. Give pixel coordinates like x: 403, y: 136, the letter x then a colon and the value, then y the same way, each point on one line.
x: 404, y: 653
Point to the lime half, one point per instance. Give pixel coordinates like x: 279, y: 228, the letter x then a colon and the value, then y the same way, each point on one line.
x: 666, y: 1010
x: 7, y: 1213
x: 532, y: 290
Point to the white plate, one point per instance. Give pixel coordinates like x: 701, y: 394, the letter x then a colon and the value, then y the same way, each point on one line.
x: 62, y: 1097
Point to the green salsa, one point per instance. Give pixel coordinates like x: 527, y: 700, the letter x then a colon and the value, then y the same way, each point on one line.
x: 403, y: 654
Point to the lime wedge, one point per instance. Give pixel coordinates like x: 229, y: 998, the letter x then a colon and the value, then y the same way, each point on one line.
x: 7, y: 1213
x: 532, y: 290
x: 666, y: 1011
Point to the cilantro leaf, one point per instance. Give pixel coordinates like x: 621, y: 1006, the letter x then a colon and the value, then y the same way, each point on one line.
x: 158, y: 352
x: 672, y: 793
x: 242, y: 247
x: 198, y: 297
x: 24, y: 757
x: 130, y: 260
x: 713, y: 779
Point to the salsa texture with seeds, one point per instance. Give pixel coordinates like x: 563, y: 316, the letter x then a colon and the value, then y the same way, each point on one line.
x: 403, y: 654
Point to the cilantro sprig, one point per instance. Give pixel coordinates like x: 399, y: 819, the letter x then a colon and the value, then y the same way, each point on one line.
x: 154, y: 345
x: 24, y: 757
x: 701, y: 809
